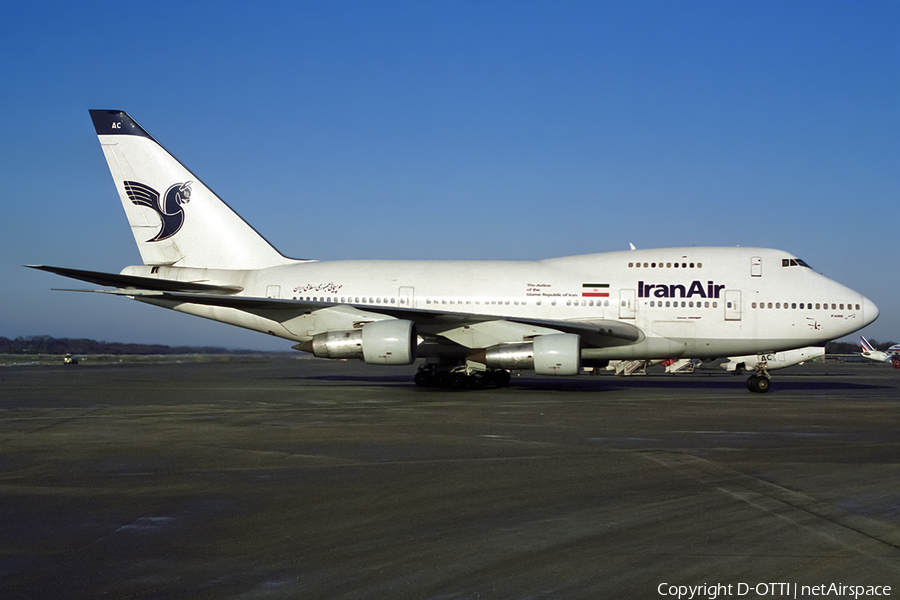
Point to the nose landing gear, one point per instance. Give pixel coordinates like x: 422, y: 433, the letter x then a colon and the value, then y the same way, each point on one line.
x: 759, y: 383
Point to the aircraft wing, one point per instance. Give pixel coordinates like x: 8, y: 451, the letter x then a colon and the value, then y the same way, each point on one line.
x: 465, y: 329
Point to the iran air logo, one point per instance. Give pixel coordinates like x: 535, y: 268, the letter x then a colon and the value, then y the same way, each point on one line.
x: 169, y: 207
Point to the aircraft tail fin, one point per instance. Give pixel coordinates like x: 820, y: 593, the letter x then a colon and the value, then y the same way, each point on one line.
x: 176, y: 220
x: 866, y: 346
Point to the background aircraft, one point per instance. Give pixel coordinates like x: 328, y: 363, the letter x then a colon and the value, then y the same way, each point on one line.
x: 891, y: 355
x: 733, y: 364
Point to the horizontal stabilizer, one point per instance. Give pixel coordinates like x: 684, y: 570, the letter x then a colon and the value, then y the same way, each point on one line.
x: 135, y: 282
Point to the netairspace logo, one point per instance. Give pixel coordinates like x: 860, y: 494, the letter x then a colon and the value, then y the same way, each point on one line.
x: 772, y: 590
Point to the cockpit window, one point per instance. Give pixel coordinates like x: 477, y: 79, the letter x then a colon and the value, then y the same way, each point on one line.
x: 794, y: 262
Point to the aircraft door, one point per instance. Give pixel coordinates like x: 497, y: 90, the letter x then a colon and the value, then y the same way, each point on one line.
x: 406, y: 297
x: 732, y: 305
x: 756, y: 266
x: 273, y: 291
x: 627, y: 304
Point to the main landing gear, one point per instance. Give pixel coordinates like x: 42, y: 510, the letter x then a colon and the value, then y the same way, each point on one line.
x: 459, y: 377
x: 759, y: 383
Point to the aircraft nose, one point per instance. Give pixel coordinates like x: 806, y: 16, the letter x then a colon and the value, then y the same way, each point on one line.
x: 870, y: 311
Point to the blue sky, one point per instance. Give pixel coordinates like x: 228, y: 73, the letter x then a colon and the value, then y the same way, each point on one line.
x: 495, y: 129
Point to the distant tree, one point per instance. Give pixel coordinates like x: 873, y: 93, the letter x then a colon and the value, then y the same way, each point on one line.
x: 45, y: 344
x: 842, y: 348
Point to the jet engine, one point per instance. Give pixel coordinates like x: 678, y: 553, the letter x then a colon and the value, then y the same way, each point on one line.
x: 551, y: 354
x: 389, y: 342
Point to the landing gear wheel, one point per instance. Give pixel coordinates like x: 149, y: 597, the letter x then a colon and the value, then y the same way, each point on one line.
x: 478, y: 380
x: 501, y: 377
x: 442, y: 379
x: 758, y: 384
x: 458, y: 380
x: 424, y: 378
x: 751, y: 383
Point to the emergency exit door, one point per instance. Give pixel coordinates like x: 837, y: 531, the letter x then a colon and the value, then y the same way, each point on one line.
x: 732, y: 305
x: 627, y: 304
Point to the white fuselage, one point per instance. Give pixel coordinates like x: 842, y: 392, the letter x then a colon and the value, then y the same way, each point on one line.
x: 693, y: 302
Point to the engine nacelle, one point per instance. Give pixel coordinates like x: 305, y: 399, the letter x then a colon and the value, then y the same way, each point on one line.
x: 552, y: 354
x: 389, y: 342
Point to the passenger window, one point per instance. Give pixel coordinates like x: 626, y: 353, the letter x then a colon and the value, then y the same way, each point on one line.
x: 778, y: 305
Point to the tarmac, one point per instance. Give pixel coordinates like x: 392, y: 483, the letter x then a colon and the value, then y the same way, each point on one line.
x: 288, y: 478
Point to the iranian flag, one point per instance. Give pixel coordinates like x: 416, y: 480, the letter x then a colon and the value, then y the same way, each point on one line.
x: 595, y: 290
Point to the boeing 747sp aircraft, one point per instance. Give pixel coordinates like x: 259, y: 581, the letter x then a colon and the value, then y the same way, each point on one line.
x: 471, y: 321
